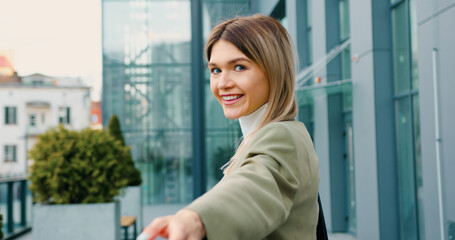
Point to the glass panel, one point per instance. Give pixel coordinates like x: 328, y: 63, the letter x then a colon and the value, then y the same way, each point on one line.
x: 147, y: 83
x: 306, y: 116
x: 3, y: 206
x: 346, y: 63
x: 219, y: 10
x: 32, y: 119
x: 406, y: 168
x: 6, y: 115
x: 222, y: 137
x: 310, y: 45
x: 309, y: 14
x: 14, y: 115
x: 17, y: 204
x: 395, y: 1
x: 414, y: 44
x: 222, y: 134
x: 303, y: 29
x: 344, y: 18
x: 400, y: 49
x: 418, y: 160
x: 347, y: 99
x: 352, y: 223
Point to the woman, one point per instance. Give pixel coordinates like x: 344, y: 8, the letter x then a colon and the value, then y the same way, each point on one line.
x: 270, y: 186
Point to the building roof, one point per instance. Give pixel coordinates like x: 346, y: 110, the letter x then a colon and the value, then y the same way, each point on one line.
x: 4, y: 62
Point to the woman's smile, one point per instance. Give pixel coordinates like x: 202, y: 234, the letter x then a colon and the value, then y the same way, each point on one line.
x: 229, y: 99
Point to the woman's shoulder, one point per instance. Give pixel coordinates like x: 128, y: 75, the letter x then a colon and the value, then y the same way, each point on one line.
x: 282, y: 131
x: 285, y: 127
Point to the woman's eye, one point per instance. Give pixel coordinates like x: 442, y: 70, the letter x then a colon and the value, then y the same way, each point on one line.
x: 239, y: 68
x: 215, y: 70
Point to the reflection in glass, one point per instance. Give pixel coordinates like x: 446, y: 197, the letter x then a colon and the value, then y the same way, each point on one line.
x: 304, y: 26
x: 406, y: 168
x: 147, y: 83
x: 343, y: 8
x: 418, y: 162
x: 346, y: 63
x: 222, y: 134
x: 414, y: 45
x: 352, y: 208
x: 400, y: 49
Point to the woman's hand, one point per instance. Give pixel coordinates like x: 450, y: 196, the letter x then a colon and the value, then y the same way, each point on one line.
x: 185, y: 225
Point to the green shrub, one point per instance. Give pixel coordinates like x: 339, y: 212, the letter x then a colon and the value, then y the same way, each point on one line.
x: 133, y: 174
x: 77, y: 167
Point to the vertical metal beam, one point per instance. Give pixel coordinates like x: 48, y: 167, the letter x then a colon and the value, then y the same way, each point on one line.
x: 386, y: 132
x: 197, y: 84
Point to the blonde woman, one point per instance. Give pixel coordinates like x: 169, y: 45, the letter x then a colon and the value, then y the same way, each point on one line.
x: 270, y: 187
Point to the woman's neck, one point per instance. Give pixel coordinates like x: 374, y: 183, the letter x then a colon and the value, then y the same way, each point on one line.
x: 249, y: 122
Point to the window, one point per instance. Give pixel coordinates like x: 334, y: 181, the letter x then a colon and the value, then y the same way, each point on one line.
x: 304, y: 33
x: 32, y: 119
x: 407, y: 120
x: 337, y: 33
x: 10, y: 115
x: 10, y: 153
x: 64, y: 114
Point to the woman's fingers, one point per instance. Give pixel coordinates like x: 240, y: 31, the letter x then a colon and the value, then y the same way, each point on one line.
x: 158, y: 227
x: 185, y: 225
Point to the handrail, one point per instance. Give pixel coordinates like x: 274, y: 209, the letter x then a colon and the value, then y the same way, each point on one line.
x: 13, y: 229
x: 303, y: 76
x: 12, y: 179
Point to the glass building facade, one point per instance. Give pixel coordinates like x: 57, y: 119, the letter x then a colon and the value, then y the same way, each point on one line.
x: 358, y: 87
x: 147, y: 82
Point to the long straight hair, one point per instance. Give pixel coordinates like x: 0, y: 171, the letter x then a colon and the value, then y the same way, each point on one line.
x: 267, y: 43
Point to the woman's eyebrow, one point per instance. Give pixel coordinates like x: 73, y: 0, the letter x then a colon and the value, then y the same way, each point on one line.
x: 231, y: 61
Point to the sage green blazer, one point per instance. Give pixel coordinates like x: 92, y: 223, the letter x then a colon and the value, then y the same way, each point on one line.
x: 271, y: 191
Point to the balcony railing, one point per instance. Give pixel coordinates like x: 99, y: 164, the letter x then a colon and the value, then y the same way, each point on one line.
x: 15, y: 206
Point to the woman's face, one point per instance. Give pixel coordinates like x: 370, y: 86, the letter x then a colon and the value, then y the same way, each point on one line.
x: 237, y: 82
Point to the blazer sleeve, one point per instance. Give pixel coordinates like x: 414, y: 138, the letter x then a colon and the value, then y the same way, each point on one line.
x: 255, y: 198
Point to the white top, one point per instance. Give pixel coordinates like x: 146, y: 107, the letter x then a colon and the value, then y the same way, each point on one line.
x: 249, y: 122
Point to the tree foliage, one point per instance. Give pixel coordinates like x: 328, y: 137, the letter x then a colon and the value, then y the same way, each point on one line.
x: 114, y: 129
x: 77, y: 167
x: 133, y: 174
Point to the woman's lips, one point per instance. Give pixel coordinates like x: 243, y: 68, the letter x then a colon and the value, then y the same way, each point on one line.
x: 231, y: 98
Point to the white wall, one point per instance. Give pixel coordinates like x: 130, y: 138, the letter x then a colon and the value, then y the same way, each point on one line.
x: 436, y: 31
x: 77, y: 98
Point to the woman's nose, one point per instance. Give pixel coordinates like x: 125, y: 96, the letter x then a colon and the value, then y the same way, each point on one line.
x: 225, y: 81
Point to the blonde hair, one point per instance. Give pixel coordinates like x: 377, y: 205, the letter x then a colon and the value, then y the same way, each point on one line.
x: 267, y: 43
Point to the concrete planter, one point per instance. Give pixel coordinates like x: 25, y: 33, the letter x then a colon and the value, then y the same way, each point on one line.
x: 76, y: 221
x: 130, y: 204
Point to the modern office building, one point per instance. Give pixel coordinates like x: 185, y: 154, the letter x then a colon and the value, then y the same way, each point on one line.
x: 374, y: 90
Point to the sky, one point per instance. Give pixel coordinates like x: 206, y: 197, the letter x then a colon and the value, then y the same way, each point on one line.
x: 54, y: 37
